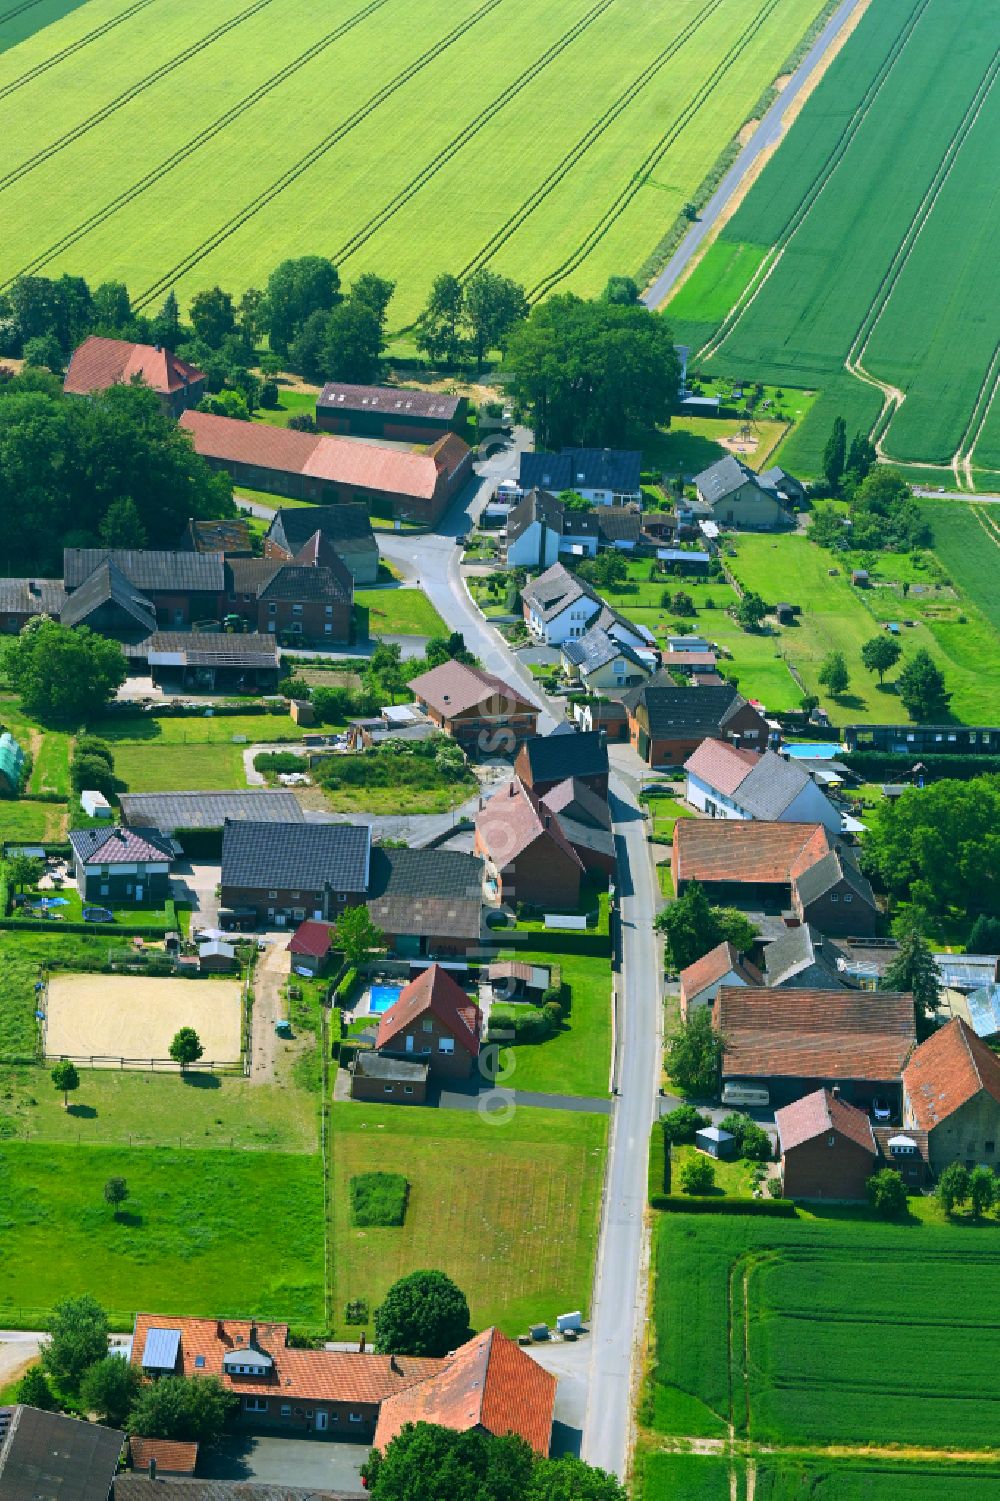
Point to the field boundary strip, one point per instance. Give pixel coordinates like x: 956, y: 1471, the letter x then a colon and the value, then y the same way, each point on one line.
x: 653, y: 157
x: 593, y: 133
x: 132, y: 92
x: 71, y: 48
x: 962, y: 461
x: 17, y: 10
x: 815, y: 188
x: 208, y: 133
x: 315, y: 153
x: 894, y: 396
x: 464, y: 136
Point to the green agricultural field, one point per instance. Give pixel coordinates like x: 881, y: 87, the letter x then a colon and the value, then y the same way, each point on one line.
x: 400, y: 612
x: 556, y: 144
x: 767, y: 1477
x: 185, y: 1242
x: 795, y: 1331
x: 893, y: 149
x: 507, y: 1207
x: 967, y: 542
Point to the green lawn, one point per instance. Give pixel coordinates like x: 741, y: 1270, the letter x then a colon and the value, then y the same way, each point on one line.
x: 30, y: 821
x: 203, y: 1233
x: 665, y: 812
x: 394, y: 611
x: 170, y: 768
x: 191, y: 729
x: 507, y: 1208
x: 399, y: 799
x: 50, y: 772
x: 577, y: 1060
x: 566, y: 155
x: 290, y: 404
x: 21, y: 956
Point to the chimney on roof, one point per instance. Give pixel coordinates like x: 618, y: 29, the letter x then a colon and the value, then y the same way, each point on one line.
x: 361, y: 1343
x: 789, y: 919
x: 152, y: 1467
x: 835, y: 1091
x: 547, y: 820
x: 511, y: 790
x: 395, y: 1366
x: 34, y: 587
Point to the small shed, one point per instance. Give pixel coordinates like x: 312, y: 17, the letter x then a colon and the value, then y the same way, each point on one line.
x: 216, y: 957
x: 95, y: 804
x: 301, y: 711
x: 716, y: 1142
x: 859, y: 578
x: 310, y: 947
x: 784, y: 612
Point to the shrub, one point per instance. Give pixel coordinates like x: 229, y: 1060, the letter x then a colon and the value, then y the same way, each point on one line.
x: 553, y: 1014
x: 766, y: 1208
x: 697, y: 1175
x: 275, y: 761
x: 378, y: 1198
x: 680, y: 1125
x: 356, y: 1311
x: 269, y: 394
x: 887, y: 1193
x: 659, y: 1161
x: 92, y: 773
x: 752, y: 1141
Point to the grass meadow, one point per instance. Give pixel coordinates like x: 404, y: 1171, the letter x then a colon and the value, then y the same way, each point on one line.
x: 577, y: 1060
x: 507, y: 1208
x: 917, y: 302
x: 829, y: 1329
x: 203, y: 1232
x: 556, y: 144
x: 399, y: 612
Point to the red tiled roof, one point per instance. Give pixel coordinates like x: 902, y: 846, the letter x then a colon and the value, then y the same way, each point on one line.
x: 751, y: 851
x: 341, y: 461
x: 721, y: 765
x: 174, y: 1456
x: 100, y: 363
x: 311, y: 937
x: 312, y: 1375
x: 437, y: 992
x: 948, y: 1070
x: 818, y: 1113
x: 714, y: 966
x: 454, y: 687
x: 489, y: 1382
x: 814, y: 1034
x: 510, y: 823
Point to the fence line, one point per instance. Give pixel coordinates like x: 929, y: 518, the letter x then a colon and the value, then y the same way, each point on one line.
x: 111, y: 1060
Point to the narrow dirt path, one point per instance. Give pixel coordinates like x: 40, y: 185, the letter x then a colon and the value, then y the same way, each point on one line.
x: 273, y: 969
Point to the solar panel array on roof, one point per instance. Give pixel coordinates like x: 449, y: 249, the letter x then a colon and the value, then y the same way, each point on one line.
x: 162, y: 1349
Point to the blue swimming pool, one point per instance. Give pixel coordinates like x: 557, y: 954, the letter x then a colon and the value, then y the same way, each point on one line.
x: 813, y: 750
x: 382, y: 997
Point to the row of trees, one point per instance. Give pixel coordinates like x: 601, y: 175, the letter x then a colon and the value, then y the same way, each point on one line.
x: 882, y: 517
x: 920, y: 685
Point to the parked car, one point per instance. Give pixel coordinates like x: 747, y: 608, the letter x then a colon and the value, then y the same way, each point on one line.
x: 881, y: 1110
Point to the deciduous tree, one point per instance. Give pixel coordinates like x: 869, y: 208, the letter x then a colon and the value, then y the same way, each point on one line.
x: 33, y: 1390
x: 195, y: 1409
x: 921, y: 689
x: 492, y: 306
x: 940, y: 845
x: 65, y: 1078
x: 881, y: 654
x: 295, y: 290
x: 115, y: 1193
x: 439, y: 334
x: 356, y: 935
x: 982, y: 1190
x: 953, y: 1186
x: 63, y: 673
x: 833, y: 674
x: 697, y: 1175
x: 423, y: 1313
x: 122, y: 525
x: 750, y: 611
x: 887, y: 1193
x: 78, y: 1339
x: 186, y: 1047
x: 212, y: 316
x: 694, y: 1054
x: 109, y: 1389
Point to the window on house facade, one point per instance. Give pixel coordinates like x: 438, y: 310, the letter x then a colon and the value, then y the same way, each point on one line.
x: 427, y: 1024
x: 848, y: 897
x: 286, y: 1409
x: 328, y: 609
x: 271, y: 895
x: 446, y: 1044
x: 255, y: 1404
x: 989, y: 1147
x: 272, y: 609
x: 328, y: 629
x: 834, y: 896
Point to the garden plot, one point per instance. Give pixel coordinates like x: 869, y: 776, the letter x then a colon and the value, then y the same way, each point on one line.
x: 111, y: 1019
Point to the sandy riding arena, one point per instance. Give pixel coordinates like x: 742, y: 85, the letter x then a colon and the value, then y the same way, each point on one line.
x: 110, y: 1017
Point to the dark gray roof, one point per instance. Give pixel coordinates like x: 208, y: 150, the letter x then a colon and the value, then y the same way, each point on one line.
x: 618, y: 523
x: 392, y: 401
x: 209, y: 648
x: 168, y: 811
x: 770, y: 786
x: 574, y: 799
x: 583, y: 836
x: 310, y: 856
x: 294, y: 525
x: 722, y: 478
x: 607, y: 617
x: 435, y: 893
x: 684, y: 712
x: 378, y: 1066
x: 157, y: 571
x: 45, y: 1456
x: 141, y: 1488
x: 804, y: 957
x: 136, y: 844
x: 588, y: 468
x: 269, y: 578
x: 596, y: 649
x: 31, y: 596
x: 839, y: 865
x: 553, y: 758
x: 108, y: 585
x: 553, y: 590
x: 537, y: 505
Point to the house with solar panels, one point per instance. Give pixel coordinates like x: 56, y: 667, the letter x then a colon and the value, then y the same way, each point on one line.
x: 390, y: 412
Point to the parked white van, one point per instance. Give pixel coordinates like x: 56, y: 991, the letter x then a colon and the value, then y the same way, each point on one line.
x: 735, y: 1093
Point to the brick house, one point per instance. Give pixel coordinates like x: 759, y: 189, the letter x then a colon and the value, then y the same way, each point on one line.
x: 381, y: 1079
x: 667, y: 723
x: 314, y: 601
x: 390, y: 412
x: 701, y: 981
x: 487, y: 1383
x: 776, y: 866
x: 389, y: 482
x: 178, y: 588
x: 478, y: 710
x: 796, y: 1041
x: 546, y: 760
x: 432, y: 1022
x: 427, y: 901
x: 951, y: 1090
x: 347, y: 528
x: 122, y: 865
x: 286, y: 872
x: 585, y: 819
x: 528, y: 857
x: 98, y: 364
x: 828, y: 1147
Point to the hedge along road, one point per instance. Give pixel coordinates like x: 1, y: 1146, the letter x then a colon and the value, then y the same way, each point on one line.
x: 560, y: 109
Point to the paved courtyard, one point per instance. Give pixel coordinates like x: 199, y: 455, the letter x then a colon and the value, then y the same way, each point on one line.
x: 323, y: 1464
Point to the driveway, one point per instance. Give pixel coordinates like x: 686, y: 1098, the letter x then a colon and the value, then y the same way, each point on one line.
x: 196, y: 882
x: 273, y: 969
x: 315, y: 1464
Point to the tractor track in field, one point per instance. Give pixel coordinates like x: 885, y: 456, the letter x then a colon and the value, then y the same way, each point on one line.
x: 127, y: 95
x: 894, y: 396
x: 653, y: 157
x: 815, y: 188
x: 464, y: 136
x: 593, y: 133
x: 17, y: 10
x: 72, y: 48
x: 315, y: 153
x: 962, y: 462
x: 208, y: 133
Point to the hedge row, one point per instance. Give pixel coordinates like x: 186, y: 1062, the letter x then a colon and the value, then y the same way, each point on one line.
x: 659, y: 1163
x: 879, y: 766
x: 556, y: 941
x: 765, y: 1208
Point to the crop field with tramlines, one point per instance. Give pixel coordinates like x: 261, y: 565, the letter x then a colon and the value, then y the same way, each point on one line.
x: 867, y: 245
x: 829, y: 1331
x: 180, y: 145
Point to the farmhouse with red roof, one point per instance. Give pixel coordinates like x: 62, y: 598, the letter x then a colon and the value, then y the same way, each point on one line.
x: 98, y: 364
